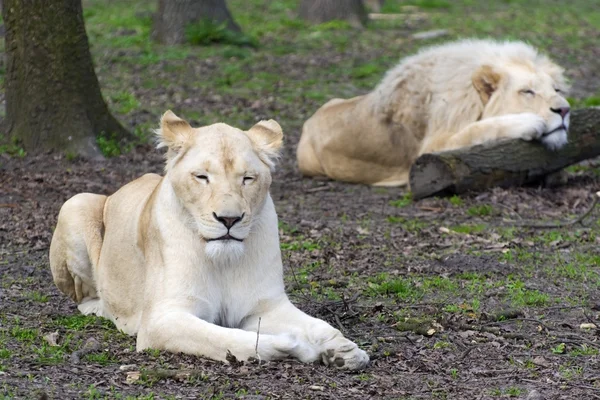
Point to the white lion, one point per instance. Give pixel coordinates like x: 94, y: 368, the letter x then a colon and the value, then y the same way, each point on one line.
x: 446, y: 97
x: 190, y: 262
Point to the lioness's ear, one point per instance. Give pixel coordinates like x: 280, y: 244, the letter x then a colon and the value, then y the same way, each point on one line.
x: 173, y: 133
x: 267, y: 137
x: 486, y: 80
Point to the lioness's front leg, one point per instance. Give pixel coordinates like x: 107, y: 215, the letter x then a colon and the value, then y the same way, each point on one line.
x: 183, y: 332
x: 316, y: 339
x: 526, y: 126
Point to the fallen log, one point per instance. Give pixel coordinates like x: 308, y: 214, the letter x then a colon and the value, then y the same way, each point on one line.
x: 504, y: 163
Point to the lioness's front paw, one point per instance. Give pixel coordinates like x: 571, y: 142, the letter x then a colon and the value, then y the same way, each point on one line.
x: 527, y: 126
x: 344, y: 354
x: 270, y: 348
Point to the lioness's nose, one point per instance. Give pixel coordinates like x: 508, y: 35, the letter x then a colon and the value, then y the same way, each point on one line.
x: 228, y: 221
x: 563, y: 111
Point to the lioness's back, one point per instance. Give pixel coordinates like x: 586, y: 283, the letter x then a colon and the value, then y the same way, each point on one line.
x: 121, y: 268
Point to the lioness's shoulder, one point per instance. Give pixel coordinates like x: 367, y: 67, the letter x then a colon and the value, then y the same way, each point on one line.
x: 138, y: 189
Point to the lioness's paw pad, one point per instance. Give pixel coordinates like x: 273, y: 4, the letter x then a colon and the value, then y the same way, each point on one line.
x: 347, y: 356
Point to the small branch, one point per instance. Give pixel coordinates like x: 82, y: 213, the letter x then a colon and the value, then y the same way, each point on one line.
x: 317, y: 189
x: 179, y: 374
x: 533, y: 320
x: 256, y: 346
x: 492, y: 330
x: 562, y: 224
x: 461, y: 357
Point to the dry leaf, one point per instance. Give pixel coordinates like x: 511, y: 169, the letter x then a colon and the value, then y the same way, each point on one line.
x: 52, y: 339
x: 133, y: 376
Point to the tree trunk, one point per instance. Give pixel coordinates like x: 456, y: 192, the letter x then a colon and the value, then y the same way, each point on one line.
x: 504, y: 163
x: 374, y: 5
x: 319, y: 11
x: 53, y: 98
x: 174, y: 15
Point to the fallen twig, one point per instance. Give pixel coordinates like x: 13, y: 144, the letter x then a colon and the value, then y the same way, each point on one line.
x: 317, y: 189
x: 256, y: 346
x: 178, y: 374
x: 560, y: 224
x: 535, y: 321
x: 494, y: 331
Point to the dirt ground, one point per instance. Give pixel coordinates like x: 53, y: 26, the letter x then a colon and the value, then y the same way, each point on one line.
x: 453, y: 298
x: 344, y: 230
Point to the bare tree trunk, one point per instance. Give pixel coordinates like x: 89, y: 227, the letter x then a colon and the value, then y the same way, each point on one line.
x: 505, y: 163
x: 53, y: 98
x: 319, y: 11
x: 374, y: 5
x: 174, y: 15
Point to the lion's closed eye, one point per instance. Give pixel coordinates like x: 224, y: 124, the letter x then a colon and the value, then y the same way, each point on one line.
x: 201, y: 177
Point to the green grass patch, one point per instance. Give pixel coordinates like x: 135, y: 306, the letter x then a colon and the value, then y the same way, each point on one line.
x: 24, y: 334
x: 80, y: 322
x: 482, y: 210
x: 208, y: 32
x: 110, y: 146
x: 102, y: 358
x: 399, y: 287
x: 366, y: 71
x: 430, y: 4
x: 404, y: 201
x: 124, y: 102
x: 37, y: 296
x: 410, y: 225
x: 456, y: 201
x: 520, y: 296
x: 591, y: 101
x: 12, y: 147
x: 469, y: 229
x: 301, y: 243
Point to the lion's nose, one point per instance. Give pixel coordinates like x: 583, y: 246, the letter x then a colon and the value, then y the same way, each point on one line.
x: 563, y: 111
x: 228, y: 221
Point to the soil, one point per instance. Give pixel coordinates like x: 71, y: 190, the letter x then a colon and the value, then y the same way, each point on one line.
x: 473, y: 339
x: 471, y: 360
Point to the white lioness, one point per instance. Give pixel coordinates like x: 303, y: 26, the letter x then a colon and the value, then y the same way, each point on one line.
x: 455, y: 95
x: 190, y: 262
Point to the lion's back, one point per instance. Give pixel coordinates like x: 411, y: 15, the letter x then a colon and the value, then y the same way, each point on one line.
x: 433, y: 91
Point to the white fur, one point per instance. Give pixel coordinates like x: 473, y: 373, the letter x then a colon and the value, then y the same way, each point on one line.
x: 157, y: 275
x: 445, y: 97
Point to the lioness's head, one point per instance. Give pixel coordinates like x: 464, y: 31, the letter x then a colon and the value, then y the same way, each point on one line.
x: 526, y: 85
x: 221, y: 176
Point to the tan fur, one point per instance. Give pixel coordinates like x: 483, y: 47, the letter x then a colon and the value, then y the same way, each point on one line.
x: 190, y: 262
x: 455, y: 95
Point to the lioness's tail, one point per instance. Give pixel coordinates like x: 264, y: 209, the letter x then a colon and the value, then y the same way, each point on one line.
x: 76, y: 244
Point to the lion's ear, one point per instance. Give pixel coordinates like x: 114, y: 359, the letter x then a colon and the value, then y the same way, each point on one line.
x: 174, y: 132
x: 486, y: 81
x: 267, y: 137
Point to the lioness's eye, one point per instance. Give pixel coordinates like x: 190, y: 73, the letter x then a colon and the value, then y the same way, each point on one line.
x: 558, y: 90
x: 528, y: 91
x: 202, y: 178
x: 247, y: 179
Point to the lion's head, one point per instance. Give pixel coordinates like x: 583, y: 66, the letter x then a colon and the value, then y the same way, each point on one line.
x: 524, y: 85
x: 221, y: 176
